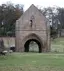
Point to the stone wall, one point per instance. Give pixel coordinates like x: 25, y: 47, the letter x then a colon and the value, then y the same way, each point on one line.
x: 39, y: 28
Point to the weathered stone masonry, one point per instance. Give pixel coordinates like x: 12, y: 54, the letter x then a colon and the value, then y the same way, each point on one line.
x: 32, y: 25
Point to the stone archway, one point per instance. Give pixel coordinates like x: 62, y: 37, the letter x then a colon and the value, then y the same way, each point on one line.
x: 27, y: 43
x: 32, y: 25
x: 35, y: 38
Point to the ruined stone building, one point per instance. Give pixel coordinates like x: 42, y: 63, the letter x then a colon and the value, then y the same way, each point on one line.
x: 32, y: 26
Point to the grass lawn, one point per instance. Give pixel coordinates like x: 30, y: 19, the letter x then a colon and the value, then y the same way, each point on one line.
x: 57, y: 45
x: 35, y: 61
x: 32, y: 62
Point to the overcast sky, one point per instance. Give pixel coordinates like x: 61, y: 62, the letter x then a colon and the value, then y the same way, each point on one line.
x: 43, y: 3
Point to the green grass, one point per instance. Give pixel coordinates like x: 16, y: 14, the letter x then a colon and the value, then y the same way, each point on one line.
x: 57, y: 45
x: 36, y: 61
x: 32, y: 62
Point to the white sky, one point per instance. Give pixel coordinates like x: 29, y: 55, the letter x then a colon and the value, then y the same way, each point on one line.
x: 39, y: 3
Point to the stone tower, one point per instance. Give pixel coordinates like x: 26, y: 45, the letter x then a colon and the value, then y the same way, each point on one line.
x: 32, y: 26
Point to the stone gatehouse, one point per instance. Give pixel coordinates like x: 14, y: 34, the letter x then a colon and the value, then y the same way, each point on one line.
x: 32, y: 26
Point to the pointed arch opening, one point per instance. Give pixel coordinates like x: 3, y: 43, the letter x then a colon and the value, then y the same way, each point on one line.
x: 33, y: 44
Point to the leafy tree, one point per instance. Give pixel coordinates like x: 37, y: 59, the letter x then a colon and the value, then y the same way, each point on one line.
x: 61, y: 16
x: 51, y: 14
x: 9, y: 13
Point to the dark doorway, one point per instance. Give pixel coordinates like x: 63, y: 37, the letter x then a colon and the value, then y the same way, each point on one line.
x: 31, y: 42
